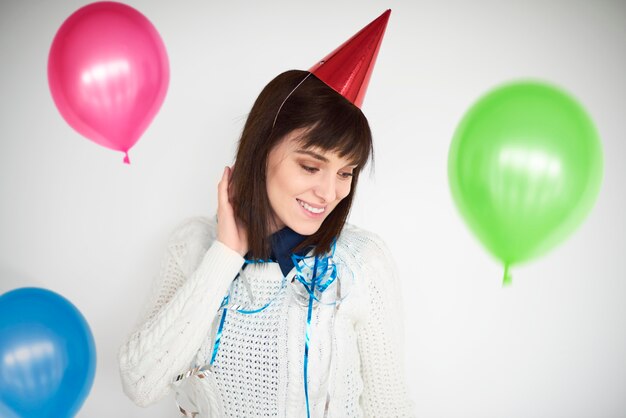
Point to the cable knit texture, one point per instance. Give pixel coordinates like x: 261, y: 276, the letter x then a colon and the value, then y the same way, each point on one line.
x: 355, y: 358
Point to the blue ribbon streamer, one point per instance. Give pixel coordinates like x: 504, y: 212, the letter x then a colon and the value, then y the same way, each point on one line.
x: 224, y: 308
x: 307, y: 339
x: 324, y: 273
x: 218, y: 337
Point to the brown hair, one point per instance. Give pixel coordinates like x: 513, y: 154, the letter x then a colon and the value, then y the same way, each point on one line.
x: 332, y: 123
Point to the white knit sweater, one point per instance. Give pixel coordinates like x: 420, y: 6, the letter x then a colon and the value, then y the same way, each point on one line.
x: 355, y: 352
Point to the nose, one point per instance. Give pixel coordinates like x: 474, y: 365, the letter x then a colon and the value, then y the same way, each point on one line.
x: 326, y: 188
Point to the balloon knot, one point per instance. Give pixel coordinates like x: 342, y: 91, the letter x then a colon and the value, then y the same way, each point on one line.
x: 507, y: 279
x: 126, y: 159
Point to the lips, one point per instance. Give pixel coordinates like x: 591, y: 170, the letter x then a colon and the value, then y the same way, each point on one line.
x: 314, y: 210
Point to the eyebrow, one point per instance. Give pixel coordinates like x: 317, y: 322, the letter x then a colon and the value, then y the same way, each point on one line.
x: 313, y: 154
x: 318, y: 156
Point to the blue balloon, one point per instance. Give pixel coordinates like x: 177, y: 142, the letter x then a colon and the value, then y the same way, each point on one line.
x: 47, y: 355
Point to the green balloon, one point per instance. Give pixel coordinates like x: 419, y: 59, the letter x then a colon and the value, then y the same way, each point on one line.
x: 525, y: 167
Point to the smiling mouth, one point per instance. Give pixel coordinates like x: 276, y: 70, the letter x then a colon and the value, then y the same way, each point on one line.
x: 310, y: 208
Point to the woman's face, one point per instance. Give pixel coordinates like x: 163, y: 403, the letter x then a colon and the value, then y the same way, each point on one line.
x: 305, y: 185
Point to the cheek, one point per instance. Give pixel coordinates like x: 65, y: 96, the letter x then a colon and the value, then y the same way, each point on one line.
x: 343, y: 189
x: 288, y: 182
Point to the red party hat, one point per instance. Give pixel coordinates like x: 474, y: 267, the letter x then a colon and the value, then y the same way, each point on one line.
x: 347, y: 69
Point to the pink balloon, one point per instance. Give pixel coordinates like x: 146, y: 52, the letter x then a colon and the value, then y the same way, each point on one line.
x: 108, y: 73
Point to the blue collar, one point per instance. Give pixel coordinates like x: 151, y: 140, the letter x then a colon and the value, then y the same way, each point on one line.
x: 282, y: 245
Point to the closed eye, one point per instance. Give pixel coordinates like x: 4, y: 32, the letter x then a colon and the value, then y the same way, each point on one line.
x: 346, y: 175
x: 309, y: 169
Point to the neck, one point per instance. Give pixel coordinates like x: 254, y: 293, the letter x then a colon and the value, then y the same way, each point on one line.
x: 275, y: 225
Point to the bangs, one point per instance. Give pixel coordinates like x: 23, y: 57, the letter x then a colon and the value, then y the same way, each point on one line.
x: 350, y: 138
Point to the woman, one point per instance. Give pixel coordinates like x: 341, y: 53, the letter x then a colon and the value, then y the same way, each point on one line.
x: 277, y: 308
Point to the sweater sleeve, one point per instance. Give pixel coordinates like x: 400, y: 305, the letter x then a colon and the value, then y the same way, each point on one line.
x: 186, y: 298
x: 380, y: 337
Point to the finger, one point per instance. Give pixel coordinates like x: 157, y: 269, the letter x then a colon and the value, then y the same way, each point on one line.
x: 230, y: 179
x: 222, y: 189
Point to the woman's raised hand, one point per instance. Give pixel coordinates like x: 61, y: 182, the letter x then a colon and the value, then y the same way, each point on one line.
x: 230, y: 232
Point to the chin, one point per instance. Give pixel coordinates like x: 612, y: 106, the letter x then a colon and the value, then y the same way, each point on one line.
x: 303, y: 229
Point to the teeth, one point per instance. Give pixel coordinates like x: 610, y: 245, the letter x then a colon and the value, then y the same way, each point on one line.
x: 310, y: 208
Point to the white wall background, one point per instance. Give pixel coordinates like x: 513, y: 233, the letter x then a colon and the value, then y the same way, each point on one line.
x: 76, y: 220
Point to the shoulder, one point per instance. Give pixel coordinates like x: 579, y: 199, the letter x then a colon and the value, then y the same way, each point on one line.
x: 360, y: 241
x: 191, y: 239
x: 198, y: 229
x: 376, y: 278
x: 363, y: 250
